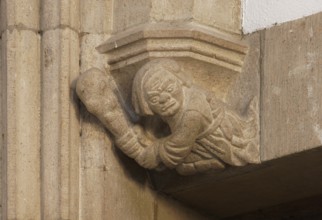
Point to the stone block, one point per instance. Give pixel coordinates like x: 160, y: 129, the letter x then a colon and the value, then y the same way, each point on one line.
x: 21, y: 77
x: 96, y: 16
x: 60, y: 124
x: 130, y: 13
x: 291, y: 87
x: 23, y: 14
x: 90, y: 57
x: 248, y: 82
x: 222, y: 14
x: 60, y: 13
x: 165, y: 10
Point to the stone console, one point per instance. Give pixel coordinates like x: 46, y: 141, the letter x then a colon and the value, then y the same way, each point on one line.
x: 178, y: 121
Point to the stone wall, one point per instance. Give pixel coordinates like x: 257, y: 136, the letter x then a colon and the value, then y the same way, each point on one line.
x: 291, y: 87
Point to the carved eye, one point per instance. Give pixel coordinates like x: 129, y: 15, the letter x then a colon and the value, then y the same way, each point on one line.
x: 154, y: 100
x: 170, y: 88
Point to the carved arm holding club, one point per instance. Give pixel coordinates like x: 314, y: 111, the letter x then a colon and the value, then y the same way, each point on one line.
x: 98, y: 92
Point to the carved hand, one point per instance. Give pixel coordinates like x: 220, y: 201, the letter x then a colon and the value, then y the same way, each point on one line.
x: 149, y: 157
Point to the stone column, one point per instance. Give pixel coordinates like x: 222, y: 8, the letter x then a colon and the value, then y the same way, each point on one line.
x: 21, y: 109
x: 60, y: 139
x: 95, y: 26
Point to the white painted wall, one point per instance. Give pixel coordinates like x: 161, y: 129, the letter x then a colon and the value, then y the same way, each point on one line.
x: 260, y: 14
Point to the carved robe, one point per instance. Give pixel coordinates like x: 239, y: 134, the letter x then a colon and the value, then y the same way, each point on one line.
x: 206, y: 136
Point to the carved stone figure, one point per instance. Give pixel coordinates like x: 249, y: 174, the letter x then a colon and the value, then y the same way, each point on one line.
x: 205, y: 133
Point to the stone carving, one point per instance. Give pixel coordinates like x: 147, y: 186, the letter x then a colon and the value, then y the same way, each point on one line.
x: 205, y: 133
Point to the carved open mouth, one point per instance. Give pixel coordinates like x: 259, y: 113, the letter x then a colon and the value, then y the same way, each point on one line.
x: 168, y: 106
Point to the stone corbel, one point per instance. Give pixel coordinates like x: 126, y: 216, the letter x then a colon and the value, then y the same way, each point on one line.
x: 190, y: 40
x: 157, y: 70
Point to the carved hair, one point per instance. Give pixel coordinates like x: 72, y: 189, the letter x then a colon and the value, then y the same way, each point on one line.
x: 151, y: 68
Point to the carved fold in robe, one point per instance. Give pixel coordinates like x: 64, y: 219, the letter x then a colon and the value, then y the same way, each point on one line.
x: 208, y: 136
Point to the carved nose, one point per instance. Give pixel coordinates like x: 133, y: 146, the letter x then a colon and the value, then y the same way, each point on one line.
x: 164, y: 97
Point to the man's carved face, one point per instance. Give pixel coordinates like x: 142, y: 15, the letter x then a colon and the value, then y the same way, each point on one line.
x: 164, y: 93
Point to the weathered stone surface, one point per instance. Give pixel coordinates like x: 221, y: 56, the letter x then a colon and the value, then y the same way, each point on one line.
x: 23, y: 14
x: 247, y: 83
x: 60, y: 124
x: 21, y: 99
x: 222, y: 14
x: 175, y: 10
x: 291, y: 87
x: 96, y: 16
x: 90, y: 57
x: 110, y: 182
x: 60, y: 14
x: 130, y: 13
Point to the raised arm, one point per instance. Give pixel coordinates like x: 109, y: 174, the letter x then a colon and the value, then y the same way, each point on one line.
x: 98, y: 93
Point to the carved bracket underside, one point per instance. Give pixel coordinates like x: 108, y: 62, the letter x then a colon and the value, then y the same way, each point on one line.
x: 180, y: 40
x: 202, y: 132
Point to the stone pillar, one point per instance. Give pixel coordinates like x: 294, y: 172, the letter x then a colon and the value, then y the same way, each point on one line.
x: 60, y: 139
x: 95, y: 26
x: 21, y: 109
